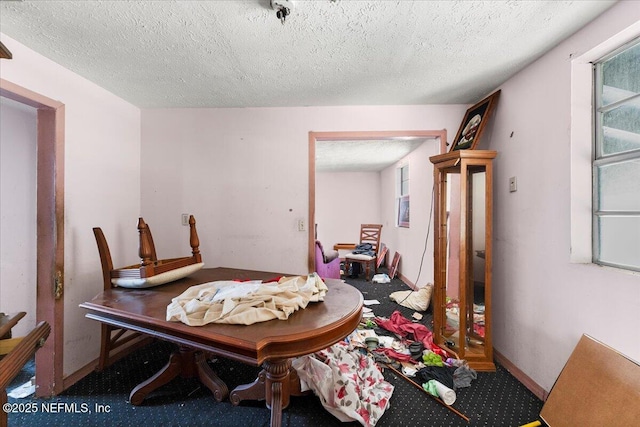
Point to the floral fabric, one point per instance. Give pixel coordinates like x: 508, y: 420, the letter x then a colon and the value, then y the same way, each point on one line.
x: 348, y: 383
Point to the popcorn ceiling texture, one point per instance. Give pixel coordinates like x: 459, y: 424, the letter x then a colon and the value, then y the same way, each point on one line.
x: 158, y: 54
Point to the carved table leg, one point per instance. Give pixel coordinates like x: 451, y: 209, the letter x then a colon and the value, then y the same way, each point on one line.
x: 295, y: 386
x: 277, y: 395
x: 209, y: 378
x: 253, y: 391
x: 275, y: 383
x: 187, y: 363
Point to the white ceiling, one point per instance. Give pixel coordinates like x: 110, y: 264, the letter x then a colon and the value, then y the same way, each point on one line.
x: 363, y: 155
x: 158, y: 54
x: 164, y: 54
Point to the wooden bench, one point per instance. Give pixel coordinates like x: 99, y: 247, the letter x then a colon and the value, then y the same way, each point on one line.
x: 12, y: 363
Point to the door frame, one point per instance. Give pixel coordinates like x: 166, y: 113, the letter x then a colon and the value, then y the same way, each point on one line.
x: 352, y: 136
x: 49, y: 231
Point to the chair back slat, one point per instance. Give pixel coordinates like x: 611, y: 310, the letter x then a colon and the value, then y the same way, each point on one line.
x: 370, y: 233
x: 105, y: 257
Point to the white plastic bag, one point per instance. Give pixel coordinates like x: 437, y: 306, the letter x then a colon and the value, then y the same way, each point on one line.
x: 381, y: 278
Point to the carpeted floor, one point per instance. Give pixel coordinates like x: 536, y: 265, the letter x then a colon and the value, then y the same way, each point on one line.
x: 101, y: 399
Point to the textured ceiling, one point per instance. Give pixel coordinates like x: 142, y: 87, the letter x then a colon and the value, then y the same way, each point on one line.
x: 362, y: 155
x: 160, y: 54
x: 163, y: 54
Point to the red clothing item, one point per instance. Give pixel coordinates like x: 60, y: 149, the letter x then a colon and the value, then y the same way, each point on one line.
x: 395, y: 355
x: 402, y: 326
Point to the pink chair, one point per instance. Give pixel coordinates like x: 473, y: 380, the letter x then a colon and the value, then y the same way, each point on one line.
x: 327, y: 263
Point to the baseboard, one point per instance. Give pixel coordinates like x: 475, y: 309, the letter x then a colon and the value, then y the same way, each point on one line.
x: 533, y: 387
x: 126, y: 349
x: 70, y: 380
x: 407, y: 282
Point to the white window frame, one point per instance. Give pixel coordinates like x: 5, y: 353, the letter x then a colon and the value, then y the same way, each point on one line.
x: 601, y: 159
x: 582, y: 137
x: 403, y: 174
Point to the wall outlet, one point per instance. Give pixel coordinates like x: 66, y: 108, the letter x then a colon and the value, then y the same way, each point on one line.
x: 301, y: 226
x: 185, y: 219
x: 513, y: 184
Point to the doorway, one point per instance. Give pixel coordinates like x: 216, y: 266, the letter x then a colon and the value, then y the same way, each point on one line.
x: 49, y: 231
x: 314, y: 137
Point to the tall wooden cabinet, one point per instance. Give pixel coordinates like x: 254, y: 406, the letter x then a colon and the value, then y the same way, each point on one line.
x: 463, y: 233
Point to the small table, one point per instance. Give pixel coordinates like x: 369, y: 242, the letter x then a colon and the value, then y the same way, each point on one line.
x: 269, y: 344
x: 344, y: 246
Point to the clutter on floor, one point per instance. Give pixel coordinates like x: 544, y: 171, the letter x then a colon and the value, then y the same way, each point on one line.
x: 347, y: 381
x: 348, y: 376
x: 381, y: 278
x: 24, y: 390
x: 416, y: 300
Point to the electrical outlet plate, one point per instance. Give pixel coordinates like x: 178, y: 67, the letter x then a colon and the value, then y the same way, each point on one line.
x: 185, y: 219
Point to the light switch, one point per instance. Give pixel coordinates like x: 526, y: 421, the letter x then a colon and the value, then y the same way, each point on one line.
x: 513, y: 184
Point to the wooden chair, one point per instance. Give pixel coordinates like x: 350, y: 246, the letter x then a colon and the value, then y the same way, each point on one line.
x: 13, y: 362
x: 114, y: 338
x: 369, y: 233
x: 150, y: 266
x: 111, y: 337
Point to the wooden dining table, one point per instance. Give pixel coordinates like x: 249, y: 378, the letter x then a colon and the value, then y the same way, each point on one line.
x: 271, y: 344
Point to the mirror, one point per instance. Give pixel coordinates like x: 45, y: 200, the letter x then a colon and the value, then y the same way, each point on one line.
x: 465, y: 279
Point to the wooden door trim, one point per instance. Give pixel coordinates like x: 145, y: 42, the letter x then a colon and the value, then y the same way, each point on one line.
x: 50, y: 230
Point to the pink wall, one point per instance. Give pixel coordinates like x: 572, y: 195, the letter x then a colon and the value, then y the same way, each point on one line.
x: 416, y: 261
x: 344, y: 200
x: 244, y: 175
x: 102, y: 184
x: 18, y: 207
x: 543, y: 302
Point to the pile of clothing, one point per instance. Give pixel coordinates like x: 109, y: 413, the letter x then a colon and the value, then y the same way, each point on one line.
x: 425, y: 359
x: 348, y: 378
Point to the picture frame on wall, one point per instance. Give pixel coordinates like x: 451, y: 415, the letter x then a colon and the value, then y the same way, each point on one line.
x: 474, y: 122
x: 403, y: 211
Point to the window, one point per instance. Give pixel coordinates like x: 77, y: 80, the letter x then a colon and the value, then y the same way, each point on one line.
x: 403, y: 196
x: 404, y: 180
x: 616, y: 160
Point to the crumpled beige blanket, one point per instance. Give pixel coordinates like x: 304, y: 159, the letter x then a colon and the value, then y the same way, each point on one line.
x: 245, y: 303
x: 415, y: 300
